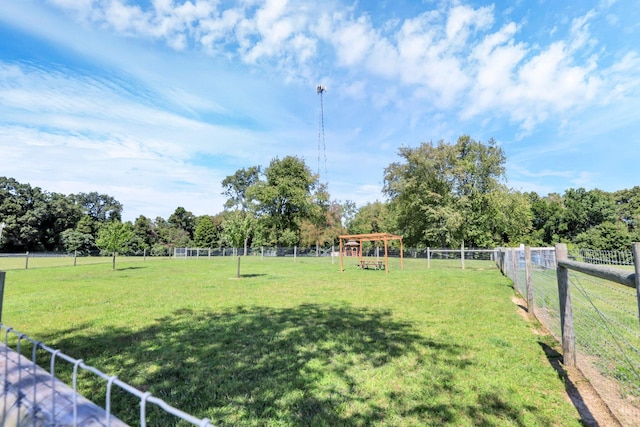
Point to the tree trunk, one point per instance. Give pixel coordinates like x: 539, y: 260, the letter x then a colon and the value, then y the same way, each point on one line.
x: 113, y: 264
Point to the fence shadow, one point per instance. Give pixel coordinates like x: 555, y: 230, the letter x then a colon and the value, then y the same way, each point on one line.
x: 283, y: 366
x: 555, y: 360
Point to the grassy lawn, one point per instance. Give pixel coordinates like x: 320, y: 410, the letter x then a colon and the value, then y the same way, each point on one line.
x: 301, y: 343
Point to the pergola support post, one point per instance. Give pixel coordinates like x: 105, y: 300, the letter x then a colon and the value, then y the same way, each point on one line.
x: 384, y: 237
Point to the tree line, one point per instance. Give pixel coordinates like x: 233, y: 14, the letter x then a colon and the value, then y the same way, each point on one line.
x: 436, y: 195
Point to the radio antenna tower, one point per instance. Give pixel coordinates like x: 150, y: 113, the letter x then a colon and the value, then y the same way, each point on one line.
x: 322, y: 148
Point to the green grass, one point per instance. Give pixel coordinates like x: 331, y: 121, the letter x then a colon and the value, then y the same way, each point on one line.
x: 301, y: 343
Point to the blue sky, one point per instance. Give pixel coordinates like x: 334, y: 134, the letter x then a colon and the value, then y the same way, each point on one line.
x: 155, y: 102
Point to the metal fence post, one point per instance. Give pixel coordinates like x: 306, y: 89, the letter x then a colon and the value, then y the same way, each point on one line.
x: 514, y: 268
x: 26, y: 261
x: 428, y: 257
x: 462, y: 254
x: 2, y: 276
x: 528, y: 280
x: 635, y: 249
x: 566, y: 313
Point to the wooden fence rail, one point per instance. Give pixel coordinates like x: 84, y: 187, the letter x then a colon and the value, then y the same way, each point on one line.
x: 605, y: 322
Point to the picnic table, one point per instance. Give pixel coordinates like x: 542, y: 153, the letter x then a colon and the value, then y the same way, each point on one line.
x: 373, y: 264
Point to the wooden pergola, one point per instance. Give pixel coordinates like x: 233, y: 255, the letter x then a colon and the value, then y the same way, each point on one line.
x: 377, y: 237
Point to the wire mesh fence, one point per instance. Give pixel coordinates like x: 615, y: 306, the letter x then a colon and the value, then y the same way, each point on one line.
x: 31, y: 260
x: 264, y: 251
x: 32, y: 396
x: 603, y: 257
x: 605, y: 319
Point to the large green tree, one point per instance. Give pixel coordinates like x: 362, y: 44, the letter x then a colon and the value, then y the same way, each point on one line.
x: 206, y: 235
x: 240, y: 210
x: 283, y: 199
x: 170, y: 235
x: 562, y: 218
x: 628, y: 207
x: 586, y: 209
x: 235, y: 187
x: 606, y: 236
x: 101, y: 208
x: 375, y: 217
x: 34, y: 219
x: 444, y: 194
x: 548, y: 224
x: 184, y: 220
x: 509, y: 217
x: 73, y: 241
x: 420, y: 188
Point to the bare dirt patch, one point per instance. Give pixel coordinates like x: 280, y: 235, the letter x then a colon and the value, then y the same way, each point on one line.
x: 593, y: 410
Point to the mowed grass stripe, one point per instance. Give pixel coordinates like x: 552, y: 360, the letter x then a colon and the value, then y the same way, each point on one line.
x: 301, y: 343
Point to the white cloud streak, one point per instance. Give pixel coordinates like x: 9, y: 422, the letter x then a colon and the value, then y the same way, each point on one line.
x: 451, y: 56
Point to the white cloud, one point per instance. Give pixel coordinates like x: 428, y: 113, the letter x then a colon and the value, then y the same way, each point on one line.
x: 447, y: 69
x: 352, y: 40
x: 462, y: 18
x: 450, y: 55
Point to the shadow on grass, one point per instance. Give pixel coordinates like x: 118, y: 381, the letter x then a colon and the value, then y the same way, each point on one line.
x: 306, y: 365
x: 555, y: 360
x: 129, y: 268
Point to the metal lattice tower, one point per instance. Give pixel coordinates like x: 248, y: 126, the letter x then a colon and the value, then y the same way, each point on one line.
x: 322, y: 148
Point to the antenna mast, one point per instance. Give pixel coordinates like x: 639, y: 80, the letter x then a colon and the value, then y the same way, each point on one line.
x: 322, y: 148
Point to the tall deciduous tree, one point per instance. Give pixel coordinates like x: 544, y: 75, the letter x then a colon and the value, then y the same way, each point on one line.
x: 375, y: 217
x: 586, y: 209
x: 73, y: 240
x: 441, y: 192
x: 509, y: 217
x: 100, y: 207
x: 283, y: 199
x: 605, y: 236
x: 235, y: 187
x: 34, y: 219
x: 206, y: 234
x: 547, y: 218
x: 628, y: 207
x: 184, y: 220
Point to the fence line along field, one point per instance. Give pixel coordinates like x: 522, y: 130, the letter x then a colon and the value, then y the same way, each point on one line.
x: 297, y: 343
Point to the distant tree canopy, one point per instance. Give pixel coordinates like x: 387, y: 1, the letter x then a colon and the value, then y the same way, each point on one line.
x: 34, y: 219
x: 437, y: 194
